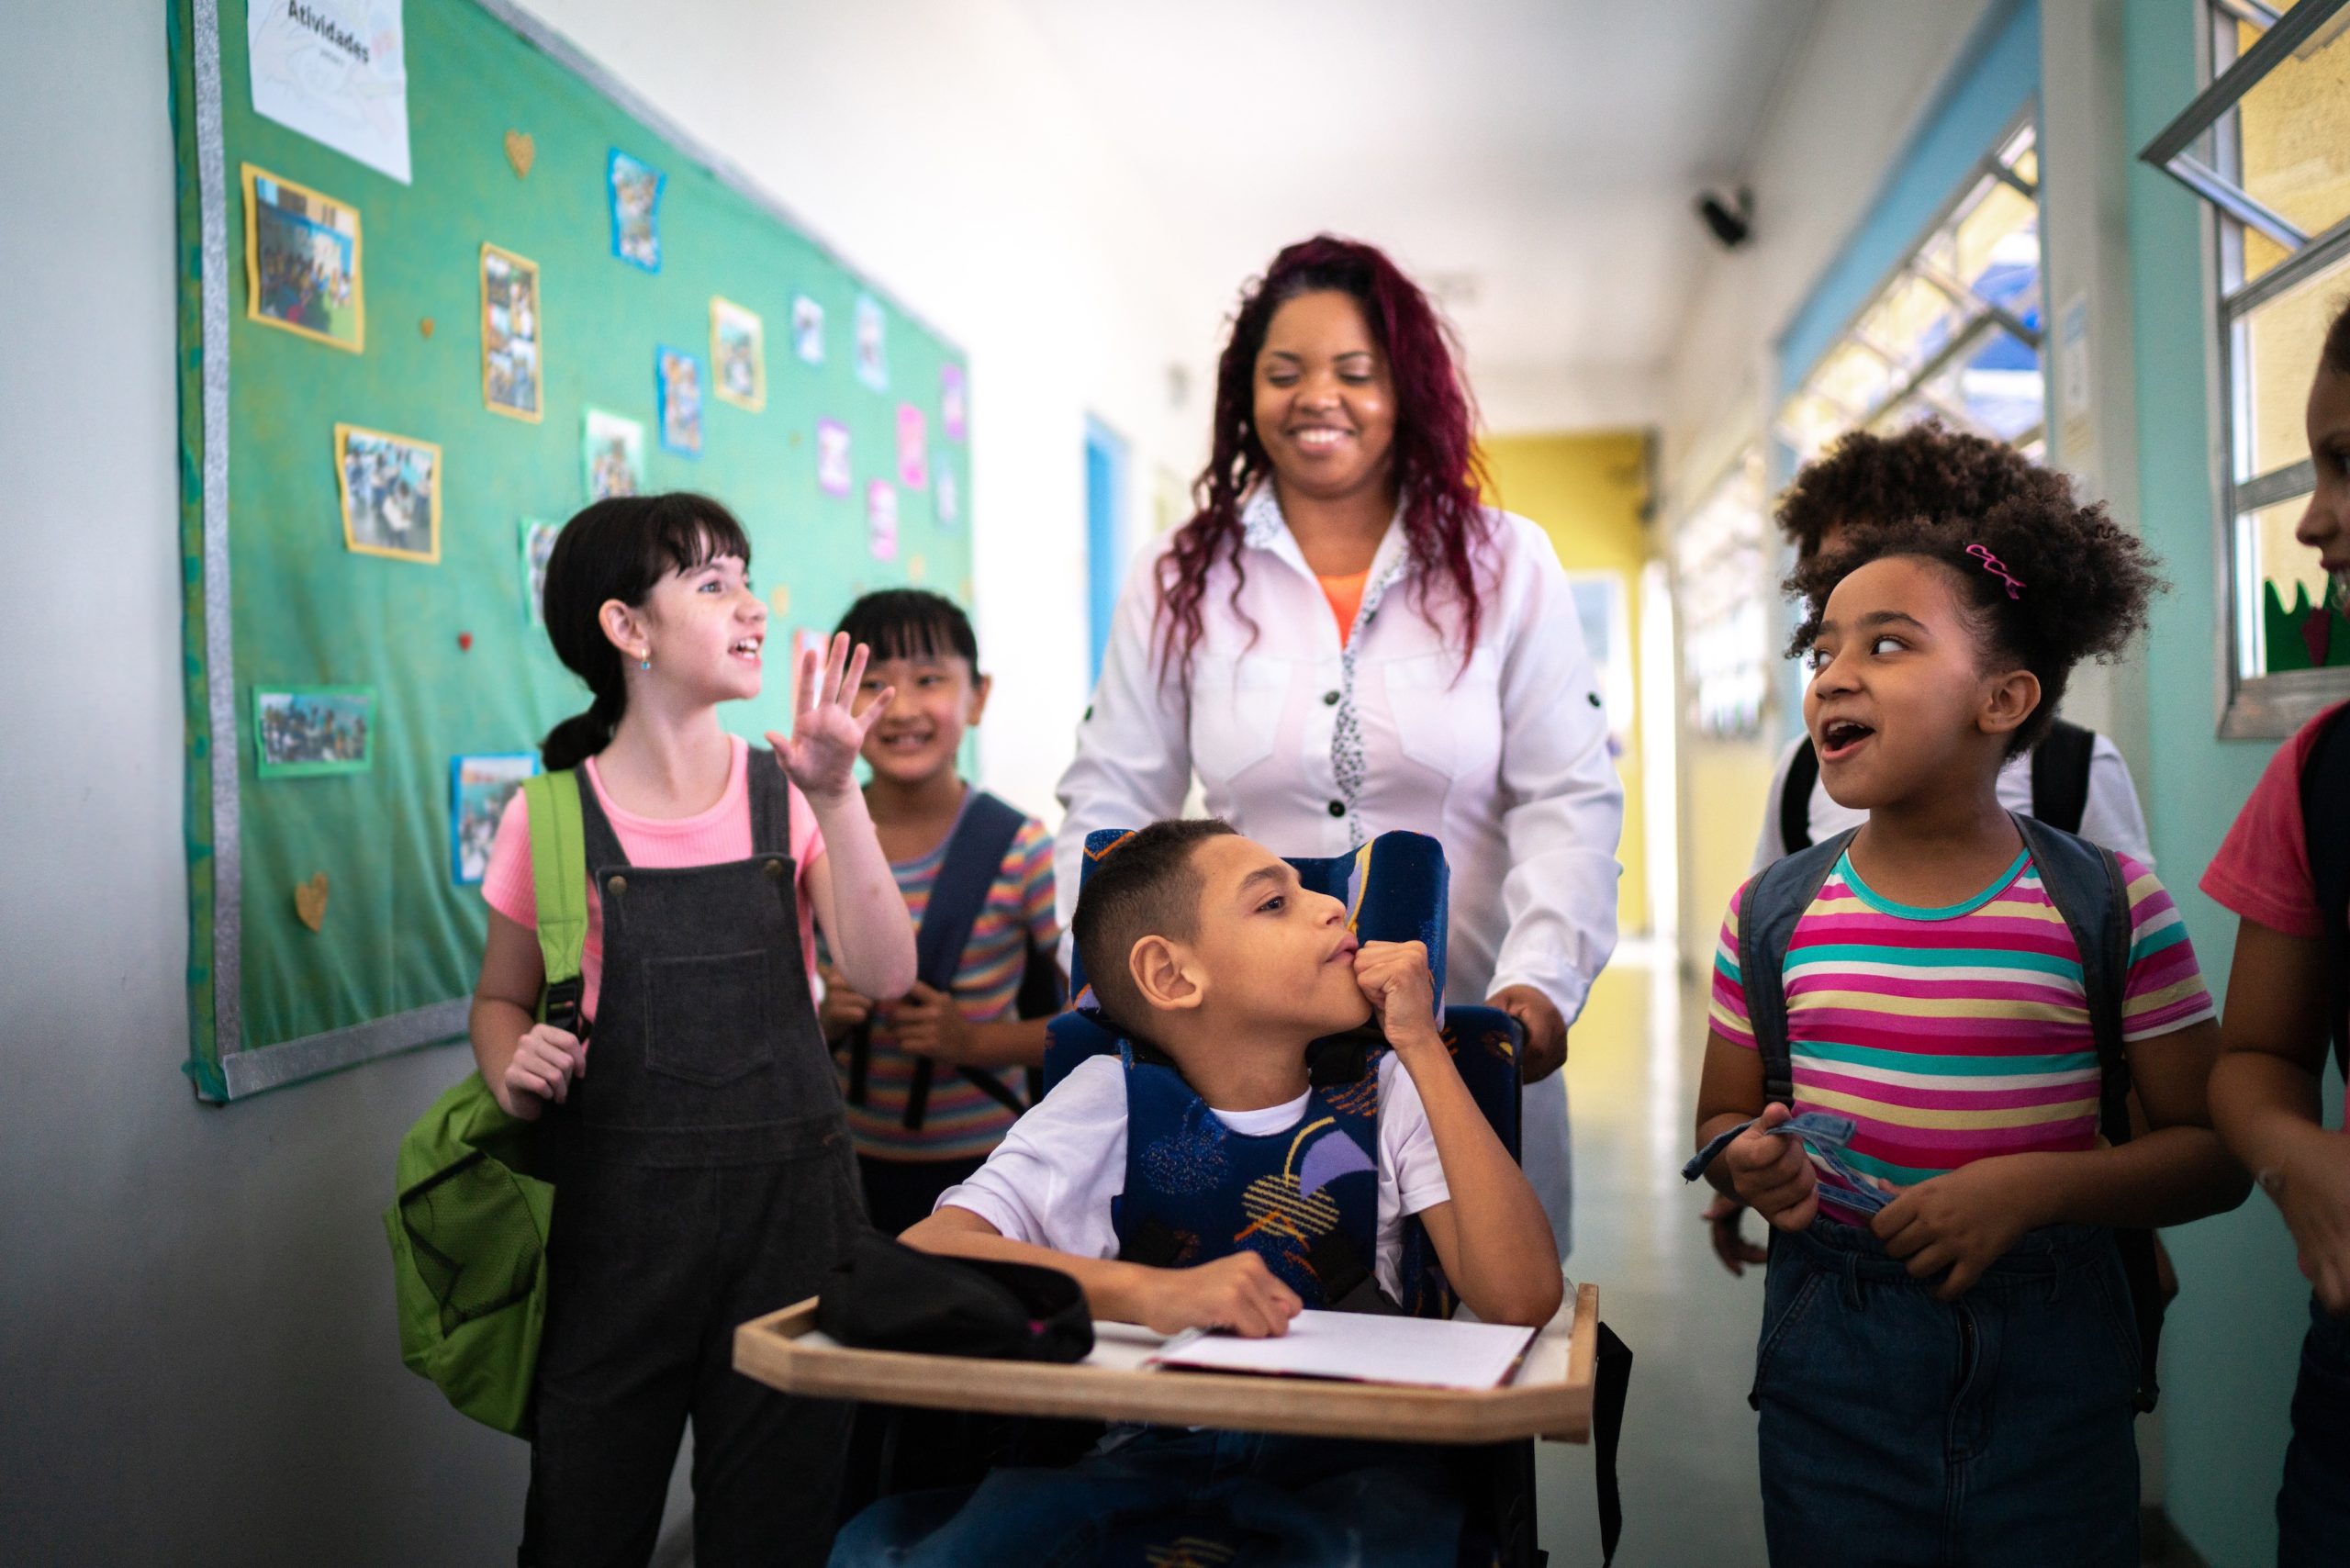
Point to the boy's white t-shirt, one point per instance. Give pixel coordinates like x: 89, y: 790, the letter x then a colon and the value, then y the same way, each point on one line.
x: 1050, y: 1182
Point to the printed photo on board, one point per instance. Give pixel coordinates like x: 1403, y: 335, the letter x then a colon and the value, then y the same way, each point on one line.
x: 954, y: 402
x: 479, y: 788
x: 613, y: 450
x: 305, y: 730
x: 946, y: 497
x: 538, y: 544
x: 881, y: 519
x: 636, y: 210
x: 391, y: 494
x: 302, y: 261
x: 808, y: 330
x: 913, y: 448
x: 738, y: 355
x: 510, y: 372
x: 872, y: 351
x: 832, y: 471
x: 677, y: 383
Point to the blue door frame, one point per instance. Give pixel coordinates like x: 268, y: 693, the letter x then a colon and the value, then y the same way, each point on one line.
x: 1105, y: 540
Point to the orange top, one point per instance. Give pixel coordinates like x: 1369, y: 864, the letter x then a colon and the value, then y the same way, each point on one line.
x: 1345, y: 595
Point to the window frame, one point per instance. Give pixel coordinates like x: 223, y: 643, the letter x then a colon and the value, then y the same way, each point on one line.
x: 2248, y: 706
x: 1981, y: 319
x: 1747, y: 465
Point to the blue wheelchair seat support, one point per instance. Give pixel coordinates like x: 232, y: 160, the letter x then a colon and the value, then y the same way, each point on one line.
x: 1395, y: 890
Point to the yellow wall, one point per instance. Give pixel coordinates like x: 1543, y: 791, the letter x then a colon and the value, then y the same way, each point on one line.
x: 1588, y: 491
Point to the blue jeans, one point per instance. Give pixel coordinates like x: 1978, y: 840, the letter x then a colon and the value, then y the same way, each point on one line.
x: 1898, y: 1429
x: 2313, y: 1509
x: 1147, y: 1491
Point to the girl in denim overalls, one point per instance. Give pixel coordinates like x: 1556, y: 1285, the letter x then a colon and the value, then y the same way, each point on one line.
x: 1950, y: 1356
x: 703, y: 1171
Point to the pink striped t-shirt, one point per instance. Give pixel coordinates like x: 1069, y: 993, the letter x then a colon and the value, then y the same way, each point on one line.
x: 714, y: 837
x: 1950, y: 1034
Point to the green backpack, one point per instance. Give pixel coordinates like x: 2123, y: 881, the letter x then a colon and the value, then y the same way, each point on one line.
x: 469, y: 1229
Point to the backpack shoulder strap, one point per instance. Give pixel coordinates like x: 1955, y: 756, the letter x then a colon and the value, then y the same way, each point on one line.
x: 2083, y: 881
x: 559, y: 885
x: 1794, y: 798
x: 1775, y: 898
x: 2325, y: 833
x: 2060, y: 775
x: 983, y: 835
x: 975, y: 852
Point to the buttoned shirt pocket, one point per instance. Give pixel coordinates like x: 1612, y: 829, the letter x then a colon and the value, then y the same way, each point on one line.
x: 1446, y: 717
x: 1236, y: 707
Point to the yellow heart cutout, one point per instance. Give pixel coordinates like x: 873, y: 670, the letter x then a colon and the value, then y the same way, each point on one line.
x: 520, y: 152
x: 310, y: 902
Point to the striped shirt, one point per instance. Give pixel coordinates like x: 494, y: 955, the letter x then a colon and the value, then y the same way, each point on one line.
x: 1950, y: 1034
x: 960, y: 1121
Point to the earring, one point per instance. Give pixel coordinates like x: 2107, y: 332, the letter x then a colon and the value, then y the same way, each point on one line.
x: 644, y: 659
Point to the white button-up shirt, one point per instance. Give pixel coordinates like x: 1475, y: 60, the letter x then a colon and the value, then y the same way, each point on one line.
x: 1311, y: 747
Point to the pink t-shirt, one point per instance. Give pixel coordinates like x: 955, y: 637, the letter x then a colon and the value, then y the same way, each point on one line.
x: 714, y: 837
x: 2262, y: 871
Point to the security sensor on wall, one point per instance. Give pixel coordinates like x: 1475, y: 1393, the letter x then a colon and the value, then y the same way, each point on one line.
x: 1729, y: 220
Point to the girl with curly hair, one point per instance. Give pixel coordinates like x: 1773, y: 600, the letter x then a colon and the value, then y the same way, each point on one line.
x: 1345, y: 640
x: 1923, y: 1033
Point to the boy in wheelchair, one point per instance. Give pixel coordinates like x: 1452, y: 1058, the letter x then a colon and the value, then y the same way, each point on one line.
x: 1200, y: 1178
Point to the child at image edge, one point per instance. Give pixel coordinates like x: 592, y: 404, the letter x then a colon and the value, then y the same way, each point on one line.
x: 693, y: 1134
x: 2281, y: 1009
x: 1949, y: 1376
x: 1203, y: 945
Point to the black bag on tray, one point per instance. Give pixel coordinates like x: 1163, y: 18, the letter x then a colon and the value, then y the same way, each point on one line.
x: 887, y: 1296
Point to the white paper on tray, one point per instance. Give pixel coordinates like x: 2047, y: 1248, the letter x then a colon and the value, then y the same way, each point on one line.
x: 1418, y: 1352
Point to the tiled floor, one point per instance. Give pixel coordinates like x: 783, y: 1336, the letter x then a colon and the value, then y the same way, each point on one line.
x: 1687, y: 1462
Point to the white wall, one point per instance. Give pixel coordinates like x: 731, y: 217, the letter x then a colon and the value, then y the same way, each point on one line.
x: 198, y: 1361
x: 971, y: 190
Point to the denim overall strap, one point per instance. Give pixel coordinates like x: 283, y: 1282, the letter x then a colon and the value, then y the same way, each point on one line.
x: 707, y: 1050
x: 1305, y: 1199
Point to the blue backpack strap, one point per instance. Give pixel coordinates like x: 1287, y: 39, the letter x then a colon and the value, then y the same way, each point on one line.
x: 983, y: 835
x: 1775, y: 898
x: 2084, y: 880
x: 2325, y: 833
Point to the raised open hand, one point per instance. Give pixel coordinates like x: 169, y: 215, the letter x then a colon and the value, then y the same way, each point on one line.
x: 826, y: 733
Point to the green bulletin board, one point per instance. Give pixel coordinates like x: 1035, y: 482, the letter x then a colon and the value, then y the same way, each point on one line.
x: 277, y: 601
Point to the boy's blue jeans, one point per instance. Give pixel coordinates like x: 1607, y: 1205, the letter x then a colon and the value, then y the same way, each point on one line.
x: 1145, y: 1490
x: 2313, y: 1509
x: 1898, y: 1429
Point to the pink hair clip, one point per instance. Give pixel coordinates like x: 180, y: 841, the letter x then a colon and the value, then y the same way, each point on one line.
x: 1999, y: 569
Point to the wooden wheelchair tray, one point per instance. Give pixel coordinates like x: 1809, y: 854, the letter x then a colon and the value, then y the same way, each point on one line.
x: 1550, y: 1398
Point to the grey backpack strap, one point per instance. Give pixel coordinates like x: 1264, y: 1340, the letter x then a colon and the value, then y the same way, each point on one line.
x: 2084, y: 880
x: 1775, y: 898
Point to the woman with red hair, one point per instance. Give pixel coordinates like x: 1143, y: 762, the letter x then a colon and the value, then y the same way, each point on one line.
x: 1345, y: 640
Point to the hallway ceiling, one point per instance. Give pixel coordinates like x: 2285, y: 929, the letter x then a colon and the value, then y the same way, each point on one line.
x: 1534, y: 160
